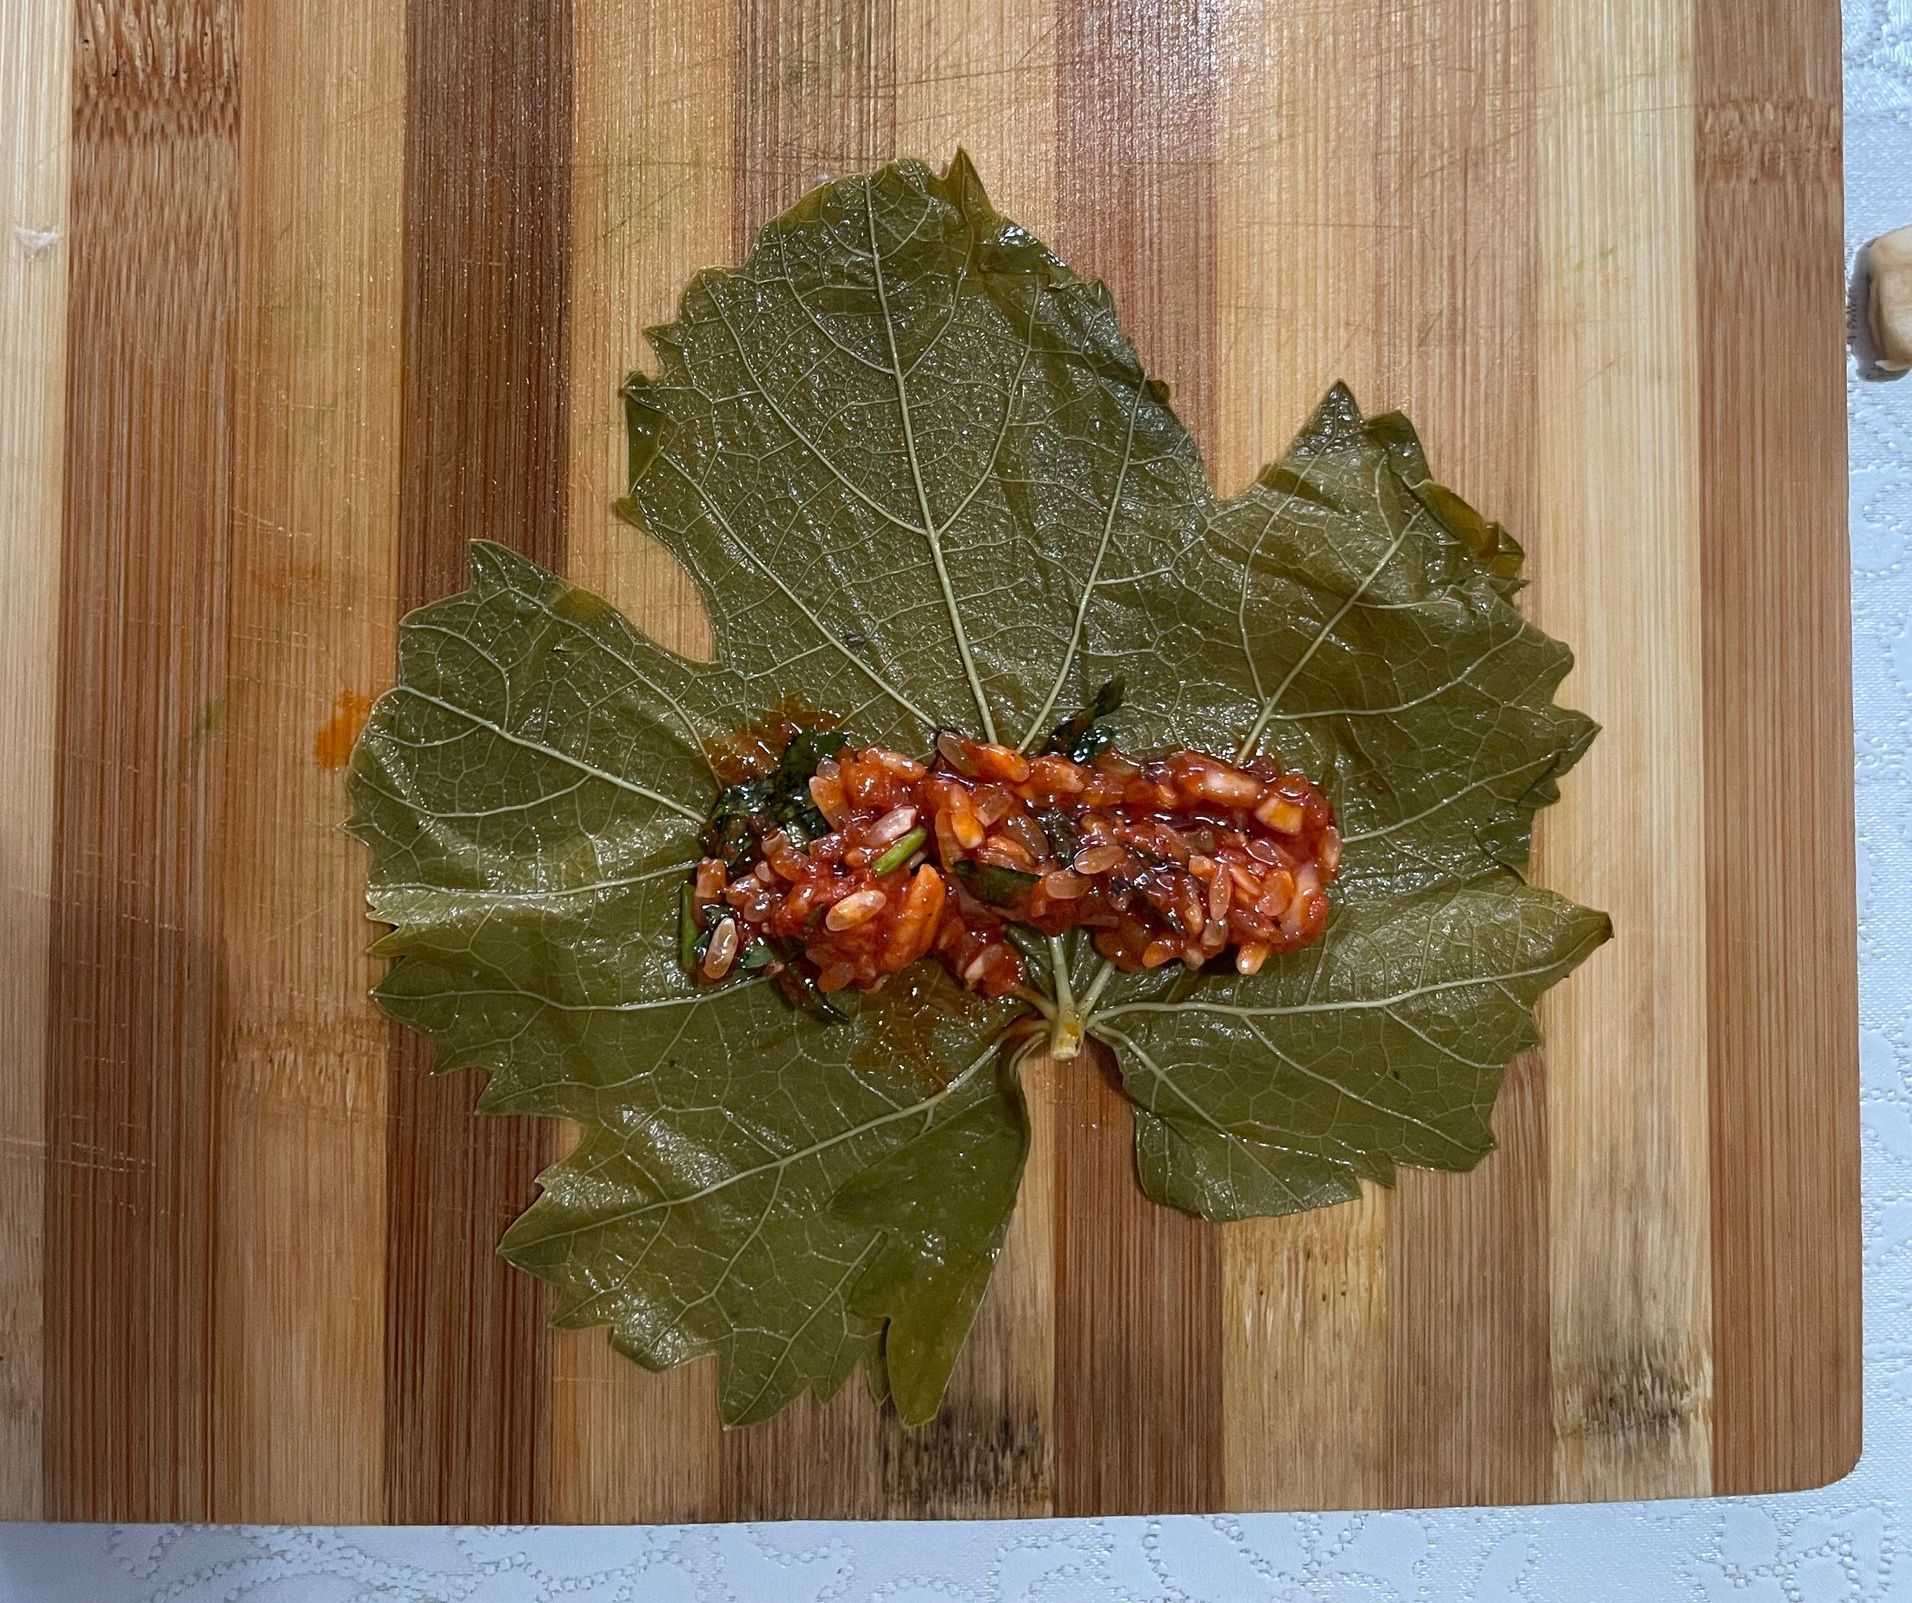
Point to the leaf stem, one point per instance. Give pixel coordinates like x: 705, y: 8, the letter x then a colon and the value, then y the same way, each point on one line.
x: 1096, y: 986
x: 1065, y: 1035
x: 1035, y: 998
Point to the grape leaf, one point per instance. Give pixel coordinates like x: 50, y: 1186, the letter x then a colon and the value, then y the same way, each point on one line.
x: 532, y: 886
x: 943, y: 1198
x: 922, y: 480
x: 1381, y: 1044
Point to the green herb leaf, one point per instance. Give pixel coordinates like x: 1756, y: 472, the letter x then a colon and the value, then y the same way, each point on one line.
x: 805, y: 754
x: 804, y: 993
x: 778, y: 800
x: 1059, y: 829
x: 732, y: 832
x: 998, y: 886
x: 1084, y: 736
x: 690, y: 940
x: 922, y: 480
x: 900, y: 853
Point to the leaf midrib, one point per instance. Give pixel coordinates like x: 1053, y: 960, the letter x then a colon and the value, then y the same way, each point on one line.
x: 931, y: 532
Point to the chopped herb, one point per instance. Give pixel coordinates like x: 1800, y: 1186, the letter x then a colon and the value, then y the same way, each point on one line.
x: 745, y: 813
x: 803, y: 992
x: 1085, y: 736
x: 900, y: 853
x: 687, y: 938
x: 1000, y: 887
x: 791, y: 805
x: 801, y: 822
x: 805, y: 753
x: 1026, y: 941
x: 732, y: 832
x: 1058, y: 828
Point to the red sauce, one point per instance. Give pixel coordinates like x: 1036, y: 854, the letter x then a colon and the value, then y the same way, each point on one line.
x: 753, y: 750
x: 1182, y: 858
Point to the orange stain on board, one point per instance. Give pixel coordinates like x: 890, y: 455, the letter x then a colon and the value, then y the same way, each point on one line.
x: 332, y: 745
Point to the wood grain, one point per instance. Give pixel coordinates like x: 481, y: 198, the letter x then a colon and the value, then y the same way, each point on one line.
x: 298, y: 1403
x: 991, y: 1452
x: 1454, y: 341
x: 1627, y: 1113
x: 1138, y: 1394
x: 335, y: 289
x: 984, y: 77
x: 822, y: 89
x: 813, y: 93
x: 35, y: 49
x: 134, y: 1010
x: 484, y: 450
x: 1304, y: 1299
x: 813, y: 96
x: 1782, y: 1009
x: 651, y: 203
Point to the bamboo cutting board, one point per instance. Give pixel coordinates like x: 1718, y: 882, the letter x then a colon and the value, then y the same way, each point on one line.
x: 298, y: 297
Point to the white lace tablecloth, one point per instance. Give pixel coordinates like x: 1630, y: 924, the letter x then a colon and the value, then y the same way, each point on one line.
x: 1849, y: 1542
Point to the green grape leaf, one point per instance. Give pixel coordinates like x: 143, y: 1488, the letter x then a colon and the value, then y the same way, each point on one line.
x: 922, y: 480
x: 531, y: 877
x: 1382, y: 1044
